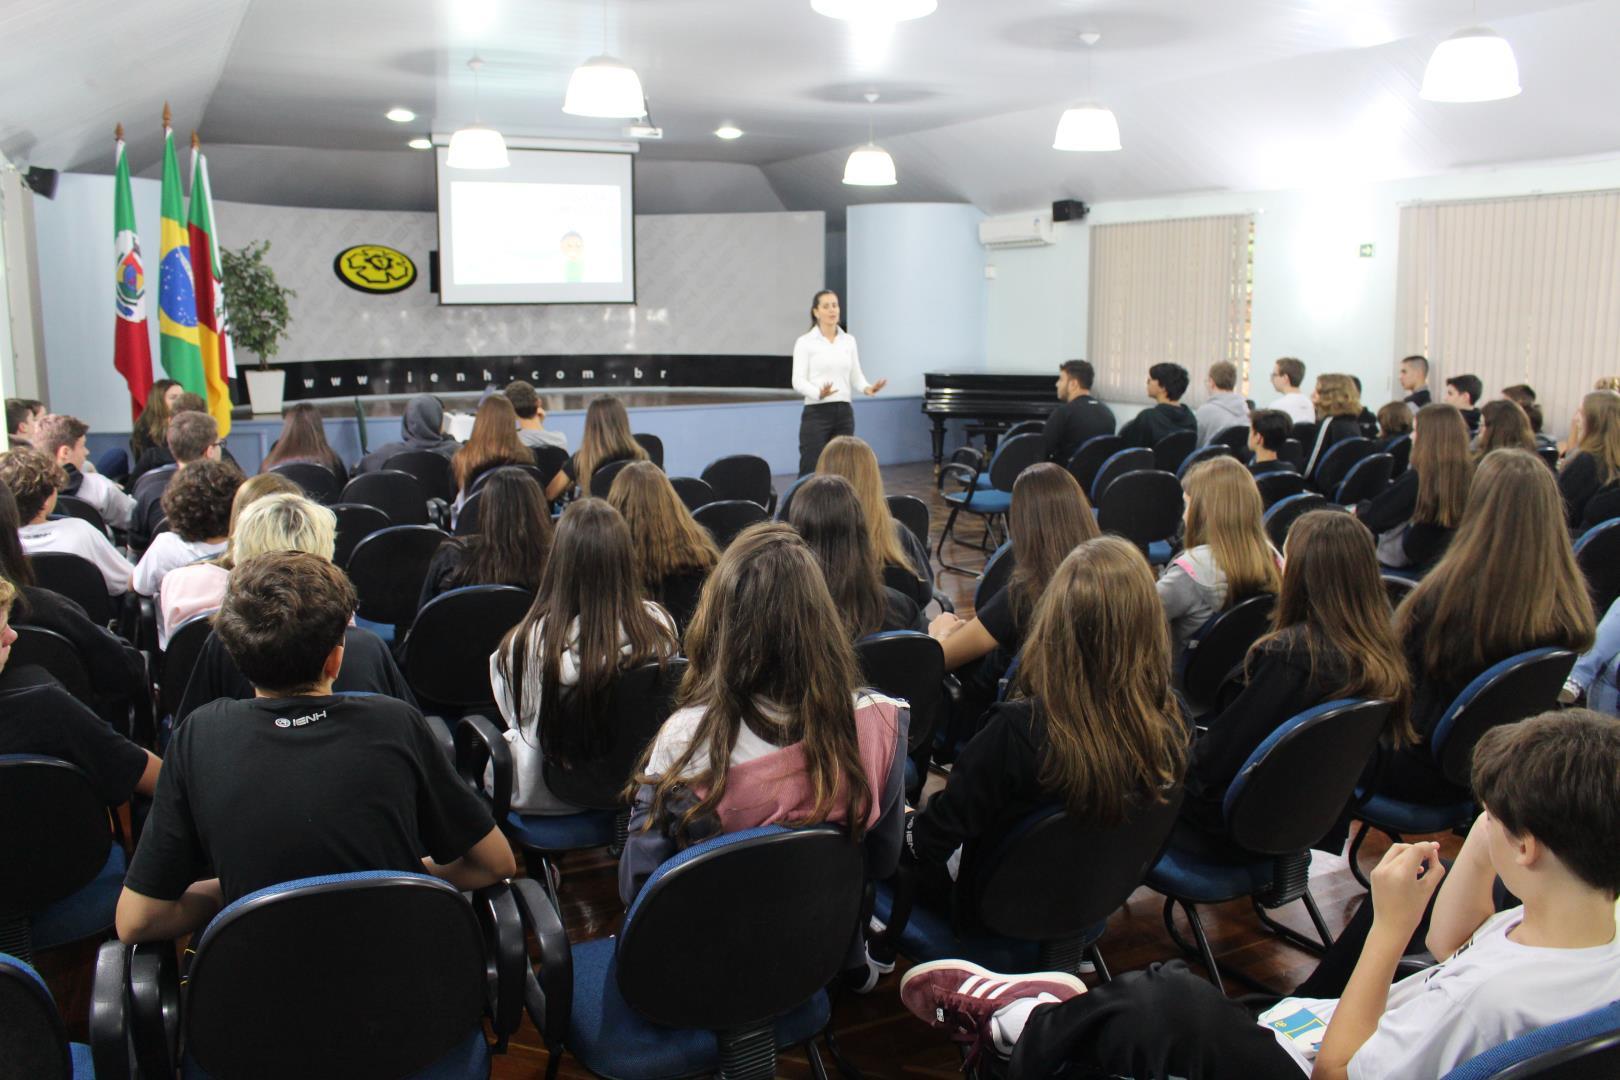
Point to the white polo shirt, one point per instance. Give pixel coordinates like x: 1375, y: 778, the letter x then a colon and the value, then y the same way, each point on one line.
x: 817, y: 361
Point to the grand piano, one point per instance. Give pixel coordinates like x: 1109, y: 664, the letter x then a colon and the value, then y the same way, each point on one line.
x: 990, y: 403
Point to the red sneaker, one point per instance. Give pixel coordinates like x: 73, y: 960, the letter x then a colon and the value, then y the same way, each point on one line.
x: 961, y: 997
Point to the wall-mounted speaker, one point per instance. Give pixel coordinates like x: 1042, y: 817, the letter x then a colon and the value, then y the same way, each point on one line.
x: 1069, y: 210
x: 41, y: 181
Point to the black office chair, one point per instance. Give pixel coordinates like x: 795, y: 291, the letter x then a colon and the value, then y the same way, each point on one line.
x: 741, y: 476
x: 180, y: 660
x: 387, y: 569
x: 998, y: 569
x: 1288, y: 795
x: 539, y: 474
x: 392, y: 972
x: 72, y: 506
x: 32, y: 1032
x: 157, y: 478
x: 1549, y: 454
x: 692, y: 491
x: 1598, y: 555
x: 467, y: 517
x: 1279, y: 485
x: 1397, y: 586
x: 602, y: 479
x: 1145, y: 507
x: 1366, y: 479
x: 723, y: 959
x: 1400, y: 449
x: 63, y: 871
x: 1602, y: 507
x: 77, y: 579
x: 431, y: 470
x: 1170, y: 451
x: 38, y: 647
x: 1280, y: 517
x: 1131, y: 459
x: 396, y: 493
x: 728, y: 517
x: 910, y: 666
x: 653, y: 445
x: 985, y: 492
x: 1217, y: 650
x: 549, y: 460
x: 355, y: 522
x: 318, y: 482
x: 1305, y: 433
x: 1199, y: 456
x: 1025, y: 427
x: 445, y: 657
x: 1085, y: 461
x: 911, y: 512
x: 1293, y: 452
x: 1337, y: 460
x: 1235, y: 439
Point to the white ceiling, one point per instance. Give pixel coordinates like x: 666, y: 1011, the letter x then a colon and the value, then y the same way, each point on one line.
x: 1235, y: 94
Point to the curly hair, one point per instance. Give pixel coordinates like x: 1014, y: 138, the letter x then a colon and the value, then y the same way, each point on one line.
x: 33, y: 478
x: 197, y: 501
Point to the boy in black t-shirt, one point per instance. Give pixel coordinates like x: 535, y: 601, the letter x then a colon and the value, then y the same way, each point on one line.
x: 1269, y: 429
x: 298, y: 781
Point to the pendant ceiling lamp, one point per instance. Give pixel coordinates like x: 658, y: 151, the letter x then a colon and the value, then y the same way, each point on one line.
x: 870, y: 165
x: 1471, y: 65
x: 875, y: 10
x: 1088, y: 128
x: 605, y: 86
x: 476, y: 146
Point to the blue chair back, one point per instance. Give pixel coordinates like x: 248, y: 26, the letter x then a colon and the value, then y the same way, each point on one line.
x: 1366, y: 478
x: 388, y: 568
x: 1504, y: 693
x: 1584, y: 1047
x: 1142, y: 506
x: 911, y: 512
x: 44, y: 648
x: 1278, y: 485
x: 362, y: 974
x: 636, y: 706
x: 1219, y: 646
x: 1280, y: 517
x: 1131, y: 459
x: 1170, y: 451
x: 1235, y: 439
x: 1012, y: 457
x: 1400, y: 451
x: 1338, y: 460
x: 1201, y: 455
x: 32, y: 1035
x: 396, y: 493
x: 446, y: 655
x: 1298, y: 781
x: 786, y: 500
x: 743, y: 928
x: 54, y: 836
x: 1085, y: 461
x: 1293, y: 452
x: 998, y: 569
x: 1597, y: 553
x: 908, y: 665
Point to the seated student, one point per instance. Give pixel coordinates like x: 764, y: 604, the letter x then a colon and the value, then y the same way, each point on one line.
x: 1269, y: 429
x: 1464, y: 392
x: 1287, y: 376
x: 193, y: 436
x: 152, y: 426
x: 492, y: 445
x: 510, y: 546
x: 303, y: 442
x: 1593, y: 461
x: 903, y: 554
x: 162, y: 454
x: 1226, y: 557
x: 39, y: 717
x: 1503, y: 425
x: 421, y: 428
x: 1523, y: 396
x: 1331, y: 638
x: 1225, y: 407
x: 191, y: 590
x: 297, y: 781
x: 20, y: 421
x: 1090, y: 724
x: 197, y: 504
x: 1415, y: 517
x: 772, y: 727
x: 1048, y: 517
x: 1394, y: 420
x: 531, y: 417
x: 1167, y: 415
x: 674, y: 554
x: 63, y: 438
x: 1549, y: 787
x: 547, y: 685
x: 283, y: 523
x: 1338, y: 411
x: 34, y: 480
x: 1597, y: 663
x: 607, y: 439
x: 1414, y: 377
x: 1080, y: 417
x: 827, y: 513
x: 1508, y: 583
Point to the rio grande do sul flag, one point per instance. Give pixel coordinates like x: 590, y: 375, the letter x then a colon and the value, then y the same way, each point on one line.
x: 132, y: 350
x: 177, y: 297
x: 212, y: 340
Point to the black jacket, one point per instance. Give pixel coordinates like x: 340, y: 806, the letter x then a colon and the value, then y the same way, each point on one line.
x: 1153, y: 424
x: 1072, y: 423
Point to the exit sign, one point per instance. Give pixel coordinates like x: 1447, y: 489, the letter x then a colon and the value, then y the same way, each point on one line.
x: 1366, y: 251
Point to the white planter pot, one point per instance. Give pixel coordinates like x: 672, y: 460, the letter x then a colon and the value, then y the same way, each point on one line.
x: 265, y: 390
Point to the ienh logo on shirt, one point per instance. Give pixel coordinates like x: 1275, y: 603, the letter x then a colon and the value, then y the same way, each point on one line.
x: 300, y: 721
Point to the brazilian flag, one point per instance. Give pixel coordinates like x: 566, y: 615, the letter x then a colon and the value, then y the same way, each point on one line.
x: 181, y: 350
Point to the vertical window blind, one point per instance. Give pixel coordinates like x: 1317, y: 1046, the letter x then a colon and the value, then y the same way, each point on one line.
x: 1169, y: 291
x: 1516, y: 290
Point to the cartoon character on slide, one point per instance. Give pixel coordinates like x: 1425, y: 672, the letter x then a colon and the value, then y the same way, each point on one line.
x: 573, y: 256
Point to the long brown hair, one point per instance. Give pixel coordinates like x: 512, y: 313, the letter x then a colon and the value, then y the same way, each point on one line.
x: 494, y: 441
x: 1442, y: 463
x: 14, y: 562
x: 766, y: 631
x: 1225, y: 511
x: 666, y: 538
x: 827, y: 513
x: 607, y: 438
x: 851, y: 458
x: 1503, y: 425
x: 1048, y: 518
x: 514, y: 534
x: 1508, y: 582
x: 1600, y: 432
x: 153, y: 426
x: 1097, y: 663
x: 303, y: 438
x: 590, y: 576
x: 1334, y: 604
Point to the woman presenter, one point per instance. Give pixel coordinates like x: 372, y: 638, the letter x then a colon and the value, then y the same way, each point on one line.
x: 827, y: 371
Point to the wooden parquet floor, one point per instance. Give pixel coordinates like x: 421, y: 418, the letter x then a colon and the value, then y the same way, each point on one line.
x: 876, y: 1034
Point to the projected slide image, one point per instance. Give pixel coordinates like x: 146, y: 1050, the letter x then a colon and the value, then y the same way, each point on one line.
x: 537, y: 233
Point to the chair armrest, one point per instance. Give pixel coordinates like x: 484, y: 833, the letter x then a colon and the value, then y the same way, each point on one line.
x: 442, y: 736
x: 549, y: 999
x: 945, y: 602
x: 965, y: 475
x: 506, y: 955
x: 154, y: 1007
x: 478, y: 743
x: 111, y: 1048
x: 439, y: 513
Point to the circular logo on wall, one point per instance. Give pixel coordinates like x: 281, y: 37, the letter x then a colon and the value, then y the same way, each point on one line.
x: 374, y: 268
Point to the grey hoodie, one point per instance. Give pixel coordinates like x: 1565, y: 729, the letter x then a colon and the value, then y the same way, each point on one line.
x: 1226, y: 408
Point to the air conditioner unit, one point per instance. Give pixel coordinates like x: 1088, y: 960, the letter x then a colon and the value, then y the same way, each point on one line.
x: 1017, y: 230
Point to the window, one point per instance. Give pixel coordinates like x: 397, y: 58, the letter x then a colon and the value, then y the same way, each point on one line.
x: 1169, y: 291
x: 1519, y: 290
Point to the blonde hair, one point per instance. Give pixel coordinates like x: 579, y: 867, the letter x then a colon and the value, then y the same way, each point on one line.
x: 252, y: 490
x: 1337, y: 396
x: 284, y: 523
x: 8, y: 594
x: 1225, y: 512
x: 1600, y: 432
x: 851, y: 458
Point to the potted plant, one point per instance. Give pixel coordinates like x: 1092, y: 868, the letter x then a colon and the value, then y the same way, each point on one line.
x: 256, y: 317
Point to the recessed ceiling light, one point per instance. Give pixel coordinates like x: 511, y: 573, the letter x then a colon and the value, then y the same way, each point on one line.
x: 728, y: 131
x: 420, y: 144
x: 400, y: 115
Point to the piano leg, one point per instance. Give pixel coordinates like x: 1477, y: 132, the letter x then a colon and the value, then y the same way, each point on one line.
x: 939, y: 444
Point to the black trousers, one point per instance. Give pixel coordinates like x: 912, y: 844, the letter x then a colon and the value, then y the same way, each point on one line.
x: 818, y: 425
